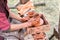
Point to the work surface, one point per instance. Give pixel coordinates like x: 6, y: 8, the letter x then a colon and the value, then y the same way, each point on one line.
x: 51, y: 12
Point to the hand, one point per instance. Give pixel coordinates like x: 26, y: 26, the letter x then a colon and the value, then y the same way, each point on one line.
x: 24, y: 19
x: 32, y: 21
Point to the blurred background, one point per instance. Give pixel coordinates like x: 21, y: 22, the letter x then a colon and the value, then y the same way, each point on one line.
x: 50, y: 8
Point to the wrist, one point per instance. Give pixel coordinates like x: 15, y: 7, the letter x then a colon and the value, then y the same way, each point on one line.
x: 29, y: 23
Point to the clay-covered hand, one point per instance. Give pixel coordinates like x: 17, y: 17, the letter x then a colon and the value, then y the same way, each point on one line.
x: 36, y: 21
x: 24, y: 19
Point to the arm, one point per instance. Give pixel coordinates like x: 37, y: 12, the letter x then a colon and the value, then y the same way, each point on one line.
x: 19, y: 26
x: 14, y: 16
x: 17, y: 17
